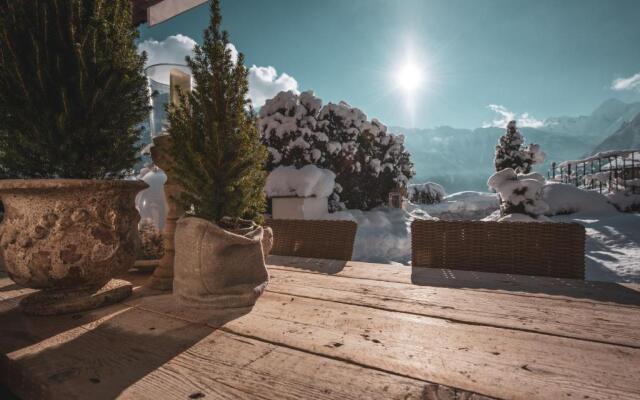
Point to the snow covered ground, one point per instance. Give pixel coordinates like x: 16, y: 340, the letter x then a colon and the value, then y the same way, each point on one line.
x: 612, y: 245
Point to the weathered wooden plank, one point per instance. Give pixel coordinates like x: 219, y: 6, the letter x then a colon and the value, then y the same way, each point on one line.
x: 491, y: 361
x: 589, y: 321
x: 100, y: 360
x: 312, y: 341
x: 262, y: 370
x: 530, y: 286
x: 137, y: 354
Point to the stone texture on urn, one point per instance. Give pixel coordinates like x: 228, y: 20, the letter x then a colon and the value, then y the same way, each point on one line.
x: 218, y: 268
x: 68, y: 235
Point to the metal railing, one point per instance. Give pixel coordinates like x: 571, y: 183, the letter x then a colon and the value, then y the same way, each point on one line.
x: 608, y: 171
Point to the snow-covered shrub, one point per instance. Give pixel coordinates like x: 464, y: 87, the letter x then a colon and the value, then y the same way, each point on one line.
x: 568, y: 199
x: 287, y: 127
x: 511, y: 153
x: 307, y: 181
x: 425, y: 193
x: 368, y: 161
x: 625, y: 201
x: 519, y: 194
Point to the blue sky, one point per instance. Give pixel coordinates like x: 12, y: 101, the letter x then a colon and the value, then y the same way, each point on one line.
x: 543, y: 57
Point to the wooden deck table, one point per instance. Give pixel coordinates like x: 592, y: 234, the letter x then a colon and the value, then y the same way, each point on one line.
x: 334, y: 330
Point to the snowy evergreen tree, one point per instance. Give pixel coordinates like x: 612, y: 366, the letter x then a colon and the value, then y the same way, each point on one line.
x: 519, y: 193
x: 511, y: 153
x: 368, y: 161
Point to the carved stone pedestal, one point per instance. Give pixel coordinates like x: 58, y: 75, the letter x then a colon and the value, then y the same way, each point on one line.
x: 161, y: 152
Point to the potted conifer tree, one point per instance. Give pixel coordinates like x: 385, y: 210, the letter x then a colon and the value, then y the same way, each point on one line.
x: 218, y: 162
x: 72, y: 95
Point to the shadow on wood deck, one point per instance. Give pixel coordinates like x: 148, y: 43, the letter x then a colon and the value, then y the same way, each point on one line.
x: 73, y: 357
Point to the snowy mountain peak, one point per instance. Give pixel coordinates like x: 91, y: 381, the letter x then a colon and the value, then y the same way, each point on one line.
x: 611, y: 109
x: 602, y: 122
x: 626, y: 137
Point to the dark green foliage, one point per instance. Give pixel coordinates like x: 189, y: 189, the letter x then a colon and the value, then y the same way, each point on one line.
x: 72, y: 89
x: 217, y: 150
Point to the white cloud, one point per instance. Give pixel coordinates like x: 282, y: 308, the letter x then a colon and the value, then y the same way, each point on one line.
x: 523, y: 120
x: 264, y: 82
x: 172, y: 50
x: 632, y: 82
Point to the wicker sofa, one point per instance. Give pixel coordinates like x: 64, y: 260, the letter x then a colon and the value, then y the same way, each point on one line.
x: 313, y: 238
x: 542, y: 249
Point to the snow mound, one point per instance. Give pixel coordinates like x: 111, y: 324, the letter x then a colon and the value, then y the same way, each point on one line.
x: 307, y: 181
x: 521, y: 218
x: 625, y: 201
x: 384, y: 234
x: 568, y: 199
x: 467, y: 205
x: 612, y: 248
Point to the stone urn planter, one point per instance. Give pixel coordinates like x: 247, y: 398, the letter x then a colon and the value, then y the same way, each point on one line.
x: 69, y: 238
x: 220, y: 268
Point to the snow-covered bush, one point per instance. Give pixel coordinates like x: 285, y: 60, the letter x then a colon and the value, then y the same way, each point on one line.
x: 288, y: 127
x: 368, y: 161
x: 519, y: 194
x: 307, y: 181
x: 568, y: 199
x: 511, y: 153
x: 425, y: 193
x: 626, y: 200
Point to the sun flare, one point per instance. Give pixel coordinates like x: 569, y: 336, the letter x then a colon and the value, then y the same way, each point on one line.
x: 409, y: 77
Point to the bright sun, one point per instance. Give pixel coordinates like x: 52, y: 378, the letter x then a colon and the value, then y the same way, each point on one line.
x: 409, y: 77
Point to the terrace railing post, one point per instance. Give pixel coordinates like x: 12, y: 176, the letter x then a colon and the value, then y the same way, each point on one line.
x: 635, y: 186
x: 616, y: 175
x: 610, y: 174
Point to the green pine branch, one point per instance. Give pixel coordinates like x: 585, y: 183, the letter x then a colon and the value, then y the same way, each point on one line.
x: 72, y: 89
x: 218, y: 155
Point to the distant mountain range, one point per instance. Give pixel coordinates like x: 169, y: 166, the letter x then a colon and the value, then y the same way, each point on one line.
x: 462, y: 159
x: 626, y: 137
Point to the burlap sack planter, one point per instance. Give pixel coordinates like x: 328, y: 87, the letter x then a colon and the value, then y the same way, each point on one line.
x: 218, y: 268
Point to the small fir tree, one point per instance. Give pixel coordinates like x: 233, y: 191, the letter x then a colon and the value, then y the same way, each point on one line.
x: 72, y: 89
x: 511, y: 153
x: 219, y: 159
x: 519, y: 193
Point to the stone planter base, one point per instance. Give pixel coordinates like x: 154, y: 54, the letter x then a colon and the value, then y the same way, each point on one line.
x: 54, y: 302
